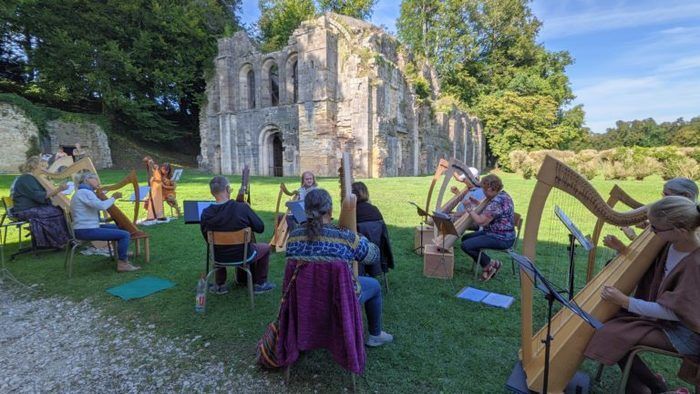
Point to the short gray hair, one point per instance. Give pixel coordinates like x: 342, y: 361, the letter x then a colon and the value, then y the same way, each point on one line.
x: 218, y: 184
x: 682, y: 187
x: 87, y: 175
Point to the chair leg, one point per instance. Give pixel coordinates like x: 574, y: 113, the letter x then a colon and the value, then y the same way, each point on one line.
x: 250, y: 287
x: 477, y: 264
x: 287, y: 370
x: 626, y: 372
x: 386, y: 283
x: 354, y: 383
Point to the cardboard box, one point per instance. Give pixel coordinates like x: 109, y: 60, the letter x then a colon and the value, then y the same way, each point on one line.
x: 428, y: 234
x: 437, y: 264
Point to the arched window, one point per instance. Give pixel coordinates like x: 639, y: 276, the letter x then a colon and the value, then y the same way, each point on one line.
x: 274, y: 86
x: 292, y: 79
x: 295, y: 82
x: 250, y: 77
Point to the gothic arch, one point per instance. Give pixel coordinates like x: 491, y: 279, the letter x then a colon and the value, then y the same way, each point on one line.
x: 270, y: 83
x: 246, y: 85
x: 292, y: 81
x: 271, y: 147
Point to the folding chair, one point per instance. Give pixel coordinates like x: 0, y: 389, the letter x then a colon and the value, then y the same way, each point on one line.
x: 518, y: 221
x: 7, y: 204
x: 75, y: 244
x: 232, y: 238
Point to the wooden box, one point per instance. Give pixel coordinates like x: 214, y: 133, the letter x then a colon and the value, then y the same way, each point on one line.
x: 437, y: 264
x: 428, y: 234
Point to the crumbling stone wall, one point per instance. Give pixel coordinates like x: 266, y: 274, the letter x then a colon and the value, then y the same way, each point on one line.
x: 17, y: 132
x: 339, y: 85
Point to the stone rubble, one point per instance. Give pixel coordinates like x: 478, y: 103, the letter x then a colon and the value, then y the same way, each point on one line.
x: 56, y: 345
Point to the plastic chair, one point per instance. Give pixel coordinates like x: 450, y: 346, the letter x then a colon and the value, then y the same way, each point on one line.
x: 232, y: 238
x: 518, y: 222
x: 7, y: 204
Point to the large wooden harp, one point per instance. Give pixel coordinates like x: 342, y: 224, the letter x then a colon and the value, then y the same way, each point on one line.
x: 446, y: 170
x: 570, y: 333
x: 281, y: 232
x: 616, y: 195
x: 348, y: 208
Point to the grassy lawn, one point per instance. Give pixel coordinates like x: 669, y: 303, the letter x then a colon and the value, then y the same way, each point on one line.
x: 441, y: 343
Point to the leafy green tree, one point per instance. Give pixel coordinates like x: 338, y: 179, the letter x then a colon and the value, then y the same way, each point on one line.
x: 279, y: 18
x: 486, y: 54
x: 360, y: 9
x: 687, y: 135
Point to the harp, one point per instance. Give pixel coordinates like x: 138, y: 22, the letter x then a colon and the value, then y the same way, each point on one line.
x: 448, y: 170
x: 616, y: 195
x: 348, y: 215
x: 281, y: 232
x: 571, y: 334
x: 47, y: 180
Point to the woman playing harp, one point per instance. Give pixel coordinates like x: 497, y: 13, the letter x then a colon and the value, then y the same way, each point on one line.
x: 663, y: 312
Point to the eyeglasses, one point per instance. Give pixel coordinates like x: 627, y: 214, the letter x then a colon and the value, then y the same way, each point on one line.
x: 657, y: 230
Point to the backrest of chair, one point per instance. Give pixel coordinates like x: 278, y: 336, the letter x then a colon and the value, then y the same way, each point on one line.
x: 7, y: 203
x: 229, y: 238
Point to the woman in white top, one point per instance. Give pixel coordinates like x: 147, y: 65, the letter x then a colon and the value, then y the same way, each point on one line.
x: 308, y: 183
x: 85, y: 208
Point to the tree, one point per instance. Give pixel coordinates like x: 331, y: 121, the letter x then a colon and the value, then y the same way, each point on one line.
x: 279, y: 18
x: 360, y: 9
x: 486, y: 51
x: 142, y: 62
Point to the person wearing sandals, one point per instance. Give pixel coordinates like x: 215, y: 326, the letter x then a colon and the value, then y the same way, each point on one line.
x: 663, y: 313
x: 497, y: 222
x: 318, y: 240
x: 85, y: 208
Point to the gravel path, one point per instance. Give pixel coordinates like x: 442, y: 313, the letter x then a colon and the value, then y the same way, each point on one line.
x: 55, y: 345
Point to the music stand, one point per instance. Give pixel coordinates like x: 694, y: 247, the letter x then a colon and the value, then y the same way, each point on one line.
x: 423, y: 217
x: 445, y: 227
x: 574, y: 235
x: 551, y: 294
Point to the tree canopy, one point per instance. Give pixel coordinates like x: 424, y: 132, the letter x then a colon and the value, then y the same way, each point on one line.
x: 648, y: 133
x: 141, y: 63
x: 486, y: 54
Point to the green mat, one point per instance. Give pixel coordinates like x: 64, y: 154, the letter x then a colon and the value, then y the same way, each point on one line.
x: 140, y: 287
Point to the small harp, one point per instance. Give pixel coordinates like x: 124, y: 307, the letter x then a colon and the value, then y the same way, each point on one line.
x: 281, y: 232
x: 447, y: 170
x: 616, y: 195
x: 244, y: 190
x: 348, y: 215
x: 571, y: 334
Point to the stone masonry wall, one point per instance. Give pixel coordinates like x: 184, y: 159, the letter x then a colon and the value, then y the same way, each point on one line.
x: 90, y: 136
x: 16, y: 129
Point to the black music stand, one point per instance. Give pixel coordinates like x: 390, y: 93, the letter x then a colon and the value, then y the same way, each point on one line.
x: 574, y: 234
x: 445, y: 227
x: 423, y: 218
x: 551, y: 294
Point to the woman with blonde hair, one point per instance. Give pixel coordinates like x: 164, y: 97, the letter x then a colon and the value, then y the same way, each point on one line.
x: 663, y: 313
x: 32, y: 203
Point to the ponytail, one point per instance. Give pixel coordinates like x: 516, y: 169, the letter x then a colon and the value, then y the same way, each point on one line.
x: 317, y: 204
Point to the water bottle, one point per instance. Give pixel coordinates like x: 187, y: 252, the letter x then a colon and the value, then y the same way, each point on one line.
x: 200, y: 300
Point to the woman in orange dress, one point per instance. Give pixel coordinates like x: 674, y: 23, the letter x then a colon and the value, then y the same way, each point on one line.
x: 169, y: 185
x: 154, y: 200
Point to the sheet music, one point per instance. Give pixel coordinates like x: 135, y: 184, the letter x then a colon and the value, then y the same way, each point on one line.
x: 573, y: 229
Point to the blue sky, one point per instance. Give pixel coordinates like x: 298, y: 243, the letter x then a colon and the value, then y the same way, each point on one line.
x: 633, y: 59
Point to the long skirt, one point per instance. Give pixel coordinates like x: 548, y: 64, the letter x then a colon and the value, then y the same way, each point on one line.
x: 48, y: 226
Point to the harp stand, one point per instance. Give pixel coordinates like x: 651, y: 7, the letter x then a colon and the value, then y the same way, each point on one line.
x: 423, y: 218
x: 551, y: 294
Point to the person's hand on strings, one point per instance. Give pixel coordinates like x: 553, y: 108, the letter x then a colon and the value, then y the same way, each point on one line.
x: 614, y: 243
x: 615, y: 296
x: 62, y: 187
x: 117, y: 195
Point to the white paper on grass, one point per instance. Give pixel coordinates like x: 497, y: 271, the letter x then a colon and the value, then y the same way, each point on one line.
x: 485, y: 297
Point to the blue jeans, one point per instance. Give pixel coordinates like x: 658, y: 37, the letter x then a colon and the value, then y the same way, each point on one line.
x: 371, y: 296
x: 107, y: 232
x: 472, y: 243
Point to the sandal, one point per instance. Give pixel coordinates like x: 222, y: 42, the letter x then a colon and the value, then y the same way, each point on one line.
x: 490, y: 270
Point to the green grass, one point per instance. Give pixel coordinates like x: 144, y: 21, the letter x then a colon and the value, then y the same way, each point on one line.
x: 442, y: 343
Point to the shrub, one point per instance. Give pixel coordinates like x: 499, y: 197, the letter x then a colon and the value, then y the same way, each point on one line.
x: 614, y: 170
x: 529, y: 167
x: 516, y: 159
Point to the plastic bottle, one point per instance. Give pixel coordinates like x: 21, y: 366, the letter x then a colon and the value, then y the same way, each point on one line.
x: 200, y: 300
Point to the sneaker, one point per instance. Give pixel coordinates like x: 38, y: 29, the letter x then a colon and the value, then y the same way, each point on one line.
x: 263, y: 288
x: 218, y: 289
x: 379, y: 340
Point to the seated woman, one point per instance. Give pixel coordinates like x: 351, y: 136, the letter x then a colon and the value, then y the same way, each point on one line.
x: 318, y: 241
x: 169, y: 185
x: 663, y: 313
x: 32, y: 203
x: 308, y: 183
x: 497, y: 226
x: 474, y: 193
x: 370, y: 223
x: 683, y: 187
x: 85, y: 208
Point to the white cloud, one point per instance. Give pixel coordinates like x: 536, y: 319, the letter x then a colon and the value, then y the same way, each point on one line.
x: 559, y: 22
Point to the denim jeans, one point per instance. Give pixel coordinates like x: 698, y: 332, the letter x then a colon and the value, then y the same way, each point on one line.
x: 472, y: 243
x: 371, y: 296
x: 107, y: 232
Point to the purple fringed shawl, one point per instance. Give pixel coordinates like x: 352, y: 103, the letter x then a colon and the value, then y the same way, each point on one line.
x: 321, y: 311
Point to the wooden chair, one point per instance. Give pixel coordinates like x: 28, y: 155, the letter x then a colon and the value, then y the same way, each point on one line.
x: 628, y: 365
x: 518, y: 221
x: 232, y: 238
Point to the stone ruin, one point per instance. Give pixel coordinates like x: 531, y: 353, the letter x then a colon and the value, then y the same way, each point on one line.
x: 340, y: 85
